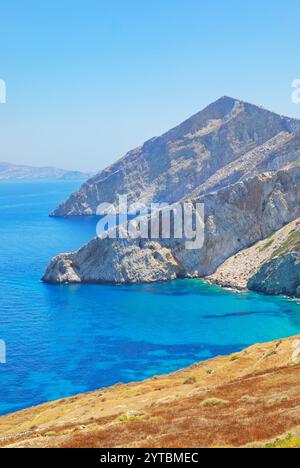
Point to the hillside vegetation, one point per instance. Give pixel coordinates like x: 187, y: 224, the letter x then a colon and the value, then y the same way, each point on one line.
x: 250, y: 398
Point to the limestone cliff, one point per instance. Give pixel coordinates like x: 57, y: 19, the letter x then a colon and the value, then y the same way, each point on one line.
x: 236, y: 217
x: 279, y: 276
x: 241, y: 161
x: 248, y: 268
x: 227, y: 142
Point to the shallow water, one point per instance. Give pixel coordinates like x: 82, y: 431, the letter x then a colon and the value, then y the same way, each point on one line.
x: 62, y: 340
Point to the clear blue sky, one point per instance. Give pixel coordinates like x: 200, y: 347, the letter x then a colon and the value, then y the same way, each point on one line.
x: 88, y: 80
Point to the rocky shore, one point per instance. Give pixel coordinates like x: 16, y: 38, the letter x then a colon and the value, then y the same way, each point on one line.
x: 270, y: 266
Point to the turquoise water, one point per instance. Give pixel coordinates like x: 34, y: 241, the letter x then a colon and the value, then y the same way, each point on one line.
x: 62, y: 340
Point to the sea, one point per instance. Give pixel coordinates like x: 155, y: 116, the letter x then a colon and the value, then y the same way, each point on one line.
x: 67, y: 339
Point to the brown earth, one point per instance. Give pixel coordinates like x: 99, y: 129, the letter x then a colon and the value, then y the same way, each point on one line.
x: 251, y: 398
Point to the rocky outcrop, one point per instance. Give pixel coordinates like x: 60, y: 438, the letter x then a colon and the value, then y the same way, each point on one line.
x: 236, y: 217
x: 114, y: 261
x: 227, y: 142
x: 237, y: 271
x: 279, y: 276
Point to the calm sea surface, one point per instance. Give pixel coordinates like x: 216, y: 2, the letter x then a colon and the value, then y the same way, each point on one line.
x: 62, y: 340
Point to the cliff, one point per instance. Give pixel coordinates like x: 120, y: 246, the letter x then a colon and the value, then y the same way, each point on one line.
x: 241, y: 161
x: 279, y: 276
x: 249, y: 399
x: 236, y: 217
x: 269, y: 266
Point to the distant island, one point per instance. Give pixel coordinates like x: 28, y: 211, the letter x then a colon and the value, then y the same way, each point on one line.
x: 10, y: 171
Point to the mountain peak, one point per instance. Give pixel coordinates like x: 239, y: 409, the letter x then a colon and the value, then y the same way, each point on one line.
x: 227, y: 99
x: 221, y: 106
x: 199, y: 154
x: 220, y: 109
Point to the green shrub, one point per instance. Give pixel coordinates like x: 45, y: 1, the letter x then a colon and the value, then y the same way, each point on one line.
x: 233, y: 358
x: 122, y: 418
x: 190, y: 381
x: 214, y: 402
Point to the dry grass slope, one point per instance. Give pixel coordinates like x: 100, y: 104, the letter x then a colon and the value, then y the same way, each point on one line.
x: 248, y: 399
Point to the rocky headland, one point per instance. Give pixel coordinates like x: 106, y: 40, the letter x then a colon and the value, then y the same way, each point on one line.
x: 271, y: 266
x: 235, y: 218
x: 241, y: 161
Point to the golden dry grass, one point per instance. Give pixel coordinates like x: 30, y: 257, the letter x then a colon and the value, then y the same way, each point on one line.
x: 251, y: 398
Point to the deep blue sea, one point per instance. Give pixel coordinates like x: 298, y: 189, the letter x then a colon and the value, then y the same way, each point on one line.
x: 62, y: 340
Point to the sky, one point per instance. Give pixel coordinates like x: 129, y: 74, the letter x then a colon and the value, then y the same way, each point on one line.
x: 88, y: 80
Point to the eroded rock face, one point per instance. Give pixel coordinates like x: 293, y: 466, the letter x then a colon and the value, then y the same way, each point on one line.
x: 240, y: 160
x: 236, y: 271
x: 227, y: 142
x: 279, y: 276
x: 235, y: 218
x: 114, y: 261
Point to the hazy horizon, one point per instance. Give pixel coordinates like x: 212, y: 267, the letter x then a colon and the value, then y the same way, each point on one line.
x: 87, y: 82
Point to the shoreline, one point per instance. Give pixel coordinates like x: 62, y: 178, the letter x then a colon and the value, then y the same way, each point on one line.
x: 227, y: 286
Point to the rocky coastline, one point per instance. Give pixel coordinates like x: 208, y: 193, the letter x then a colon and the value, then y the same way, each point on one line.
x: 242, y: 163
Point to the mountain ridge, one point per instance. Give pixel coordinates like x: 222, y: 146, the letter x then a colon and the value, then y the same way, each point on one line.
x: 169, y: 167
